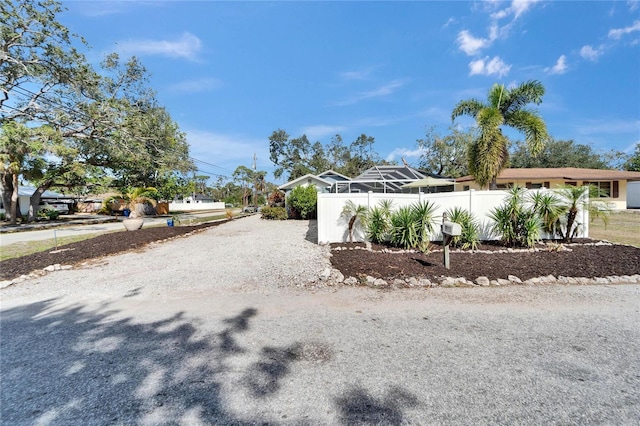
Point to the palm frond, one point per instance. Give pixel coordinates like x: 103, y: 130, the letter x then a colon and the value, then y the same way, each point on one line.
x: 470, y: 107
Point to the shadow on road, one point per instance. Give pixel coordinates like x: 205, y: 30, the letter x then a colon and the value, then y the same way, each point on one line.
x: 74, y: 365
x: 312, y: 232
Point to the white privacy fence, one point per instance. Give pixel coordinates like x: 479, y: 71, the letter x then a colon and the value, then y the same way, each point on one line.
x: 333, y: 227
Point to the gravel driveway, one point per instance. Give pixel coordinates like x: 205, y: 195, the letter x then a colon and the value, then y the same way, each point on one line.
x: 227, y: 327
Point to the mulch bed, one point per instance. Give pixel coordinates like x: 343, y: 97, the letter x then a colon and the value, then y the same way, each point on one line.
x: 583, y: 260
x: 102, y: 245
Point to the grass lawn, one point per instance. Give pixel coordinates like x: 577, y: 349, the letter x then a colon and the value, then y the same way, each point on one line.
x: 623, y: 227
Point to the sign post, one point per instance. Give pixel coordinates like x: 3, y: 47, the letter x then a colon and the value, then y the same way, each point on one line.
x: 449, y: 230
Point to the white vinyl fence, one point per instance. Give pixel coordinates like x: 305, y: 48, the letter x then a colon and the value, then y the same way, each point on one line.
x: 333, y: 226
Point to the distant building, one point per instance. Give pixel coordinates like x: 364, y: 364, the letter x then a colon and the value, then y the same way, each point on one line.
x: 612, y: 183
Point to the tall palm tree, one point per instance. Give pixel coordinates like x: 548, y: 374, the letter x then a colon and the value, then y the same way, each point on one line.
x: 489, y: 153
x: 354, y: 213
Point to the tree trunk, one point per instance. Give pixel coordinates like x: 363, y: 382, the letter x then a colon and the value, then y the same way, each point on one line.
x: 34, y: 200
x: 571, y: 218
x: 14, y: 199
x: 493, y: 185
x: 351, y: 222
x: 7, y: 193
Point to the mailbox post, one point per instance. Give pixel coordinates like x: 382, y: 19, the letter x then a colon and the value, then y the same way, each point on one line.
x: 449, y: 230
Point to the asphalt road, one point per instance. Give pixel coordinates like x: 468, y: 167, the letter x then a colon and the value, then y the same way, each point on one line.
x: 200, y: 330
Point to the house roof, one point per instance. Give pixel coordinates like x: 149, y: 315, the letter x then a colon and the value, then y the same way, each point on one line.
x: 390, y: 173
x: 27, y: 191
x: 303, y: 179
x: 331, y: 174
x: 566, y: 173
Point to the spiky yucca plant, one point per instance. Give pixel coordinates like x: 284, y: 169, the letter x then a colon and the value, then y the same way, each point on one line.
x: 470, y: 236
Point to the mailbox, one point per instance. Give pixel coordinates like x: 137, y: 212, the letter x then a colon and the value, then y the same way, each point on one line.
x: 451, y: 229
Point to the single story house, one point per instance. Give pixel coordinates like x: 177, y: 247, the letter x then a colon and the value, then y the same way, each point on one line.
x: 321, y: 184
x: 49, y: 199
x: 612, y: 183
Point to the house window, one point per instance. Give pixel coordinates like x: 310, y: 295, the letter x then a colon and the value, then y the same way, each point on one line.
x: 608, y: 189
x: 465, y: 188
x: 505, y: 185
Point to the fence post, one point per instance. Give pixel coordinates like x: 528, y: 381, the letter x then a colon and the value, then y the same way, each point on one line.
x: 420, y: 196
x: 369, y: 199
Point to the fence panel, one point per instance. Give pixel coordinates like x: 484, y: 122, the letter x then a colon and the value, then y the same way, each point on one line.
x: 333, y: 226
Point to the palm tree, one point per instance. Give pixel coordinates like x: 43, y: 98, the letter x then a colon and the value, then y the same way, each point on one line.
x: 355, y: 213
x: 576, y: 198
x: 489, y: 153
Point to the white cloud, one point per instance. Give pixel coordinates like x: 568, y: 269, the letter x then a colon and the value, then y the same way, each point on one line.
x: 403, y: 153
x: 633, y: 5
x: 196, y: 86
x: 381, y: 91
x: 321, y: 130
x: 591, y: 54
x: 472, y: 45
x: 495, y: 66
x: 517, y: 8
x: 560, y: 67
x: 619, y: 32
x: 186, y: 46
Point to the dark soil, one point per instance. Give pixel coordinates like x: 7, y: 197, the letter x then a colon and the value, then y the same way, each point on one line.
x: 102, y: 245
x: 583, y: 260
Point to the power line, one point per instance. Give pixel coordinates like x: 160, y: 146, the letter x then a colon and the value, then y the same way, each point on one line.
x: 26, y: 92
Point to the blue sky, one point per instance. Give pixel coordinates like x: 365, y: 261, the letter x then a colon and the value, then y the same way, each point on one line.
x: 232, y: 72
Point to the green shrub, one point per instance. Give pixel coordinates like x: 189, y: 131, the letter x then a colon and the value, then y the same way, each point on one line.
x: 302, y: 202
x: 470, y: 235
x: 274, y: 213
x: 48, y: 214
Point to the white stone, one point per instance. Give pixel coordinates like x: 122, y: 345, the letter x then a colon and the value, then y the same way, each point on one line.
x: 425, y: 282
x: 413, y: 282
x: 50, y: 268
x: 502, y: 281
x: 351, y: 281
x: 380, y: 283
x: 514, y: 279
x: 483, y: 281
x: 337, y: 276
x: 399, y: 283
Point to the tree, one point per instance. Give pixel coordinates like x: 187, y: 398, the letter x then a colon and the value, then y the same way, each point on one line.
x: 354, y: 213
x: 633, y: 163
x: 489, y: 154
x: 445, y: 156
x: 37, y: 58
x: 298, y: 157
x: 562, y: 153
